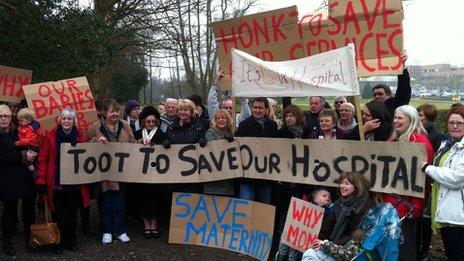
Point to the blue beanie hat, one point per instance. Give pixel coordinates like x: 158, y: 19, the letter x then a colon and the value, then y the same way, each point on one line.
x: 130, y: 105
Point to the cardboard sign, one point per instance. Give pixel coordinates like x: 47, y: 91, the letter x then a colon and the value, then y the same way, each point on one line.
x: 11, y: 82
x: 302, y: 226
x: 391, y: 167
x: 229, y: 223
x: 326, y: 74
x: 373, y: 26
x: 47, y: 99
x: 267, y: 35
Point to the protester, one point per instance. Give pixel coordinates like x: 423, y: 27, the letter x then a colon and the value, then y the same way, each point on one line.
x: 377, y: 123
x: 427, y: 114
x: 273, y: 108
x: 294, y: 126
x: 171, y: 113
x: 322, y: 198
x: 345, y: 215
x: 148, y: 195
x: 110, y: 128
x: 346, y: 120
x: 382, y: 92
x: 221, y: 128
x: 214, y: 104
x: 257, y: 125
x: 200, y: 110
x: 328, y: 129
x: 132, y: 114
x: 29, y: 134
x: 16, y: 182
x: 447, y: 211
x: 408, y: 128
x: 339, y: 100
x: 316, y: 105
x: 161, y: 108
x: 63, y: 200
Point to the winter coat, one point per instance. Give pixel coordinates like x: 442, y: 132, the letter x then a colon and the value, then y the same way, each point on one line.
x: 434, y: 135
x: 29, y: 135
x: 125, y: 135
x: 189, y: 133
x: 418, y: 204
x: 158, y: 138
x: 402, y: 95
x: 166, y: 121
x: 339, y: 134
x: 450, y: 202
x: 46, y: 168
x: 16, y: 180
x: 285, y: 132
x: 312, y: 121
x: 213, y: 134
x: 252, y: 128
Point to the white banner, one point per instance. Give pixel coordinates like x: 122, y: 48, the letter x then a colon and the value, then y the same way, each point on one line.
x: 331, y: 73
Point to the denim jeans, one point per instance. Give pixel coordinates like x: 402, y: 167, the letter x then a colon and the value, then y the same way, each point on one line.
x: 256, y: 192
x: 113, y: 212
x: 287, y: 253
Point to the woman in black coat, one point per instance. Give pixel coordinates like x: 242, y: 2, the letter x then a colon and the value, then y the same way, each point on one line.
x: 377, y: 123
x: 149, y: 194
x: 16, y: 182
x: 186, y: 128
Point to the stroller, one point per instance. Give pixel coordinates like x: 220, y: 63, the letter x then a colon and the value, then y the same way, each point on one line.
x: 383, y: 232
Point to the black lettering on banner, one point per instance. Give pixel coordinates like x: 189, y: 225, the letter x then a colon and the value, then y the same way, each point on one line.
x: 146, y: 158
x: 336, y: 164
x: 188, y: 159
x: 373, y: 171
x: 203, y: 164
x: 217, y: 163
x: 264, y: 168
x: 121, y: 157
x: 250, y: 156
x: 166, y: 163
x: 304, y: 160
x: 274, y: 161
x: 107, y: 156
x: 87, y: 162
x: 401, y: 173
x: 232, y: 158
x: 357, y: 158
x: 414, y: 186
x: 321, y: 165
x: 76, y: 153
x: 386, y: 168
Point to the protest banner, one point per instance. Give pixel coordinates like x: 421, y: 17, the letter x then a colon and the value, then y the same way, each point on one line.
x: 326, y: 74
x: 47, y: 99
x: 302, y: 224
x: 266, y: 35
x: 392, y: 167
x: 11, y: 82
x: 373, y: 26
x: 229, y: 223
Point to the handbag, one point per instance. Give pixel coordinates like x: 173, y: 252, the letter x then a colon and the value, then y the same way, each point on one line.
x: 44, y: 234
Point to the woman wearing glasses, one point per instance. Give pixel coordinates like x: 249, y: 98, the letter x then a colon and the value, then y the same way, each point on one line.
x: 448, y: 189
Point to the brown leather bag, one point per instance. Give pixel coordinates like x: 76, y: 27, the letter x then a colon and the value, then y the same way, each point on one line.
x: 43, y: 234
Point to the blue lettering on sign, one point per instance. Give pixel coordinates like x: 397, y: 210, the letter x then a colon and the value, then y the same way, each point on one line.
x: 201, y: 206
x: 186, y: 205
x: 191, y: 227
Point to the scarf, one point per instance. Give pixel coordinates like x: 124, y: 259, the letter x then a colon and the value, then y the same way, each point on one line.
x: 147, y: 136
x: 343, y: 209
x: 134, y: 122
x: 261, y: 122
x: 62, y: 137
x: 112, y: 135
x: 296, y: 131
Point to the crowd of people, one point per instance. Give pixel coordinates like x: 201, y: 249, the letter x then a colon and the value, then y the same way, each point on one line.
x: 30, y: 166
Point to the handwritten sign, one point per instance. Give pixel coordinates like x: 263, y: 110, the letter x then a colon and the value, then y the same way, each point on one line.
x: 229, y: 223
x: 373, y: 26
x: 11, y: 82
x: 326, y: 74
x: 47, y: 99
x: 391, y: 167
x: 302, y: 225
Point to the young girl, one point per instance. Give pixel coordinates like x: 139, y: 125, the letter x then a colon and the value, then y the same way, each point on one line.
x: 29, y: 134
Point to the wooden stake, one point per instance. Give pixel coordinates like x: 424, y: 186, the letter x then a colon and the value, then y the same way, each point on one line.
x: 357, y: 106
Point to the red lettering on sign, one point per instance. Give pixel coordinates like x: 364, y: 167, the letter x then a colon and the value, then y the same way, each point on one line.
x: 335, y: 23
x: 380, y: 51
x: 362, y: 47
x: 395, y: 51
x: 44, y: 90
x: 263, y: 30
x: 39, y: 108
x: 241, y: 35
x: 276, y: 27
x: 350, y: 16
x: 265, y: 55
x: 318, y: 19
x: 294, y: 49
x: 385, y: 14
x: 228, y: 39
x: 88, y: 95
x: 370, y: 18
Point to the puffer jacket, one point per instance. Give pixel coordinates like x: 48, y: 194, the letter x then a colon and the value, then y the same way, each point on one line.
x: 450, y: 202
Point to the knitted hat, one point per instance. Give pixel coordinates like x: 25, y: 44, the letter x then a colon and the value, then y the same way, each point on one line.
x: 130, y: 105
x: 147, y: 111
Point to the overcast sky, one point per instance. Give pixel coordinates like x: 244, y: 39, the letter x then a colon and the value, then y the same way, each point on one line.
x: 433, y: 30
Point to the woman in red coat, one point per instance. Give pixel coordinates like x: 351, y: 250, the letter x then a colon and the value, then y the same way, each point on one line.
x: 64, y: 200
x: 408, y: 128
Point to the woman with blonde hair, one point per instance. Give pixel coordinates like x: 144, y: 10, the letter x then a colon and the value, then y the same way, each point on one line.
x: 408, y: 128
